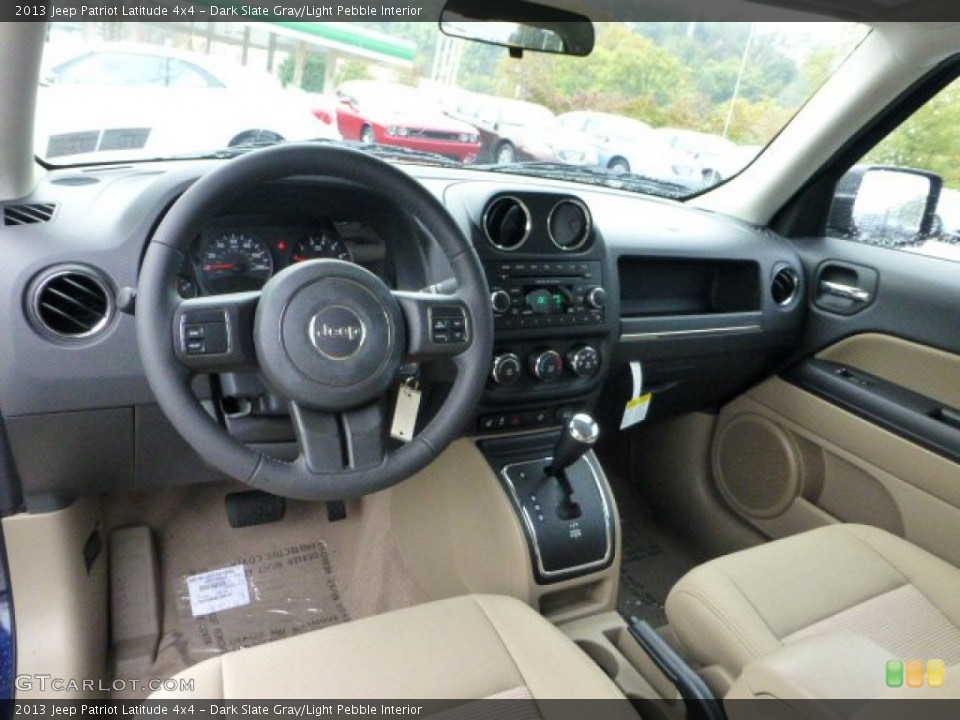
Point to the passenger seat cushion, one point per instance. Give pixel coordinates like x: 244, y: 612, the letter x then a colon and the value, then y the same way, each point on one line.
x: 747, y: 605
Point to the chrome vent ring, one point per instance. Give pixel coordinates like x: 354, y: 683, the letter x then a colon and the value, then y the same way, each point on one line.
x: 70, y: 303
x: 507, y: 223
x: 785, y: 285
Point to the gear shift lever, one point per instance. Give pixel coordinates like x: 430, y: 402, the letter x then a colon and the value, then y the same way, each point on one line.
x: 577, y: 437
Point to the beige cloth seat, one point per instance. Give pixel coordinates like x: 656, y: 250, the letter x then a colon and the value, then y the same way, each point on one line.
x: 784, y: 603
x: 471, y: 647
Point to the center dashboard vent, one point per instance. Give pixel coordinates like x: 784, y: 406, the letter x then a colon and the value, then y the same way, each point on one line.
x: 785, y: 284
x: 506, y: 222
x: 70, y: 302
x: 28, y: 214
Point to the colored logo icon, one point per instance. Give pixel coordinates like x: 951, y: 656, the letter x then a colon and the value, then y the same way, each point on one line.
x: 911, y: 673
x: 894, y: 673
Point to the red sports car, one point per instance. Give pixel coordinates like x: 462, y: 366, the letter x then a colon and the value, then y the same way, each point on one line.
x: 404, y: 116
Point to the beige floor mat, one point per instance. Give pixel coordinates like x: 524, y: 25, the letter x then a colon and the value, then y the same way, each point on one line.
x: 303, y: 573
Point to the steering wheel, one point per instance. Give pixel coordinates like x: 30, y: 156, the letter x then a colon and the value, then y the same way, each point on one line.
x: 327, y: 335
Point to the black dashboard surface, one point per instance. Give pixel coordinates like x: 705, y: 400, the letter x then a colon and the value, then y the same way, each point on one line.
x: 689, y: 294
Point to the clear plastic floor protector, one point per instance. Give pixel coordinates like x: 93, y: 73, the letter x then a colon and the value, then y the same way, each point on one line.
x: 300, y: 574
x: 273, y: 593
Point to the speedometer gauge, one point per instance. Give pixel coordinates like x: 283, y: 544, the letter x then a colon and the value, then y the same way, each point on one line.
x: 235, y: 262
x: 322, y: 244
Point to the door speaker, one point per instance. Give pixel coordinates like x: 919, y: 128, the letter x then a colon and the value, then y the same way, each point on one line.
x: 757, y: 466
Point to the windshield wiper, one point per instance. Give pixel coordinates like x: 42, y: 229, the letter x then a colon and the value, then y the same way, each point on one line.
x: 596, y: 176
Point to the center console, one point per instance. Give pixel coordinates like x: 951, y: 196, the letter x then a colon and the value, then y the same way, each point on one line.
x: 546, y: 268
x: 547, y: 271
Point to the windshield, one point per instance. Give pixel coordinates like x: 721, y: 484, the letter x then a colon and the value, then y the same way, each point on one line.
x: 659, y: 108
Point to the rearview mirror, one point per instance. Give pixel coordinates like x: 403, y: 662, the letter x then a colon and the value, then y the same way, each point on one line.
x: 883, y: 205
x: 519, y: 26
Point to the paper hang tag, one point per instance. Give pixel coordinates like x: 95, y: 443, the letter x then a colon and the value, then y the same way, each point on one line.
x: 405, y: 413
x: 635, y: 411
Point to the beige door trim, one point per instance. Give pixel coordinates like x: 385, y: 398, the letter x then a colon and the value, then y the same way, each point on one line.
x: 924, y: 370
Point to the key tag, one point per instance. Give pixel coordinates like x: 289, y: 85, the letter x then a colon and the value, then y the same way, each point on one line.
x: 405, y: 412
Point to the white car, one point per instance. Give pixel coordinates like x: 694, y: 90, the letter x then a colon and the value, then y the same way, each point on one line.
x: 124, y: 99
x: 717, y: 157
x: 624, y: 145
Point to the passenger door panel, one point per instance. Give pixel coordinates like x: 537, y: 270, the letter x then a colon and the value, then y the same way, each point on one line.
x: 863, y: 425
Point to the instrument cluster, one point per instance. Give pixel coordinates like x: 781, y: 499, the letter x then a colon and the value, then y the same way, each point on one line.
x: 242, y: 254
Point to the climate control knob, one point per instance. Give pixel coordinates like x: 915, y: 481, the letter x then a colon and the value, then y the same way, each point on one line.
x: 545, y: 365
x: 583, y: 361
x: 500, y: 301
x: 506, y: 369
x: 596, y: 297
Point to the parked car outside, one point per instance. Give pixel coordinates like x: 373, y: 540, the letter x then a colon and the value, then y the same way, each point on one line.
x: 517, y: 131
x: 717, y: 157
x: 128, y: 98
x: 393, y: 114
x: 627, y: 145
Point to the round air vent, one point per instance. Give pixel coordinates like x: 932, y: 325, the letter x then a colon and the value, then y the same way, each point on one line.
x: 506, y: 222
x: 70, y: 302
x: 569, y: 224
x: 785, y: 285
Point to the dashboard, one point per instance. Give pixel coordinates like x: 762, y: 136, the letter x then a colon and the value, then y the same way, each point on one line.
x: 583, y: 281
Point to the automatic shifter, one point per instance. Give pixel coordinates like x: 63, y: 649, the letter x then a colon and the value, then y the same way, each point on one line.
x: 576, y: 438
x: 564, y: 506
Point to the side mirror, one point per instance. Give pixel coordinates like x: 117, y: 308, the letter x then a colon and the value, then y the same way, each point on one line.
x: 883, y: 205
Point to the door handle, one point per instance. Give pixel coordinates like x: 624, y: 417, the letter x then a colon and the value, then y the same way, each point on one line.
x: 848, y: 292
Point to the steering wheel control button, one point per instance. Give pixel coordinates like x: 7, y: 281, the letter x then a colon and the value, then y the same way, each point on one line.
x: 337, y: 332
x: 506, y: 369
x: 204, y: 333
x: 545, y: 365
x: 448, y: 325
x: 583, y: 361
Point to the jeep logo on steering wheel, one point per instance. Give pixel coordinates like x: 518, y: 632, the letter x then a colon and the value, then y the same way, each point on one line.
x: 337, y: 332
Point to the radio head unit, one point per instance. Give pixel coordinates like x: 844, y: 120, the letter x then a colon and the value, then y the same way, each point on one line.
x: 546, y: 294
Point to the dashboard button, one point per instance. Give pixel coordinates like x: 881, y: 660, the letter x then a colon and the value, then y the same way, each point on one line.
x: 583, y: 361
x: 505, y: 369
x: 500, y: 301
x: 545, y: 365
x: 597, y: 297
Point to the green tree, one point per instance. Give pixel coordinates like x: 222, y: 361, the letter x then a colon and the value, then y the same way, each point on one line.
x: 928, y: 140
x: 314, y: 71
x: 352, y: 70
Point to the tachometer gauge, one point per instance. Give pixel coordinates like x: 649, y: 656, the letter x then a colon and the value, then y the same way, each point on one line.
x: 322, y: 244
x: 235, y: 262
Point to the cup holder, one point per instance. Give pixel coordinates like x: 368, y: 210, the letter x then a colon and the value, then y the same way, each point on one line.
x: 603, y: 657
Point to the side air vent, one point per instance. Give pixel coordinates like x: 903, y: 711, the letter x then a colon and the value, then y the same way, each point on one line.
x: 506, y: 221
x: 28, y: 214
x: 785, y: 285
x: 70, y: 302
